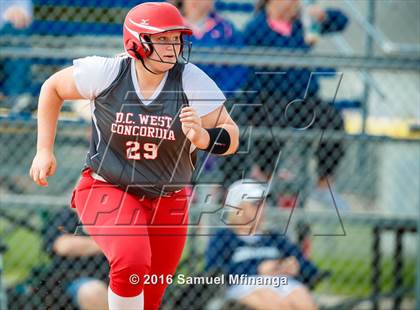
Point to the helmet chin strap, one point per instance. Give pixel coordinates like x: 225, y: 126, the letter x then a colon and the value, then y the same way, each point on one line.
x: 142, y: 61
x: 144, y: 65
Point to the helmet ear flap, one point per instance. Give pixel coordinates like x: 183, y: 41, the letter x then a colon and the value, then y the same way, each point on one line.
x: 134, y: 50
x: 146, y: 44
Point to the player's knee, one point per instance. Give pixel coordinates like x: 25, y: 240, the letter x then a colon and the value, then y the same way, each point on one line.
x: 127, y: 275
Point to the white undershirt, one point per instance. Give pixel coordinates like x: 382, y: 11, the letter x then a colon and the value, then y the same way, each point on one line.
x: 94, y: 74
x: 137, y: 87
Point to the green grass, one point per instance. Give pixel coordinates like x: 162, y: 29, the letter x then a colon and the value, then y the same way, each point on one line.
x: 349, y: 258
x: 355, y: 279
x: 24, y: 252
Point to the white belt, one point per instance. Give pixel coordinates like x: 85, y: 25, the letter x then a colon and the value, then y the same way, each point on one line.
x: 97, y: 176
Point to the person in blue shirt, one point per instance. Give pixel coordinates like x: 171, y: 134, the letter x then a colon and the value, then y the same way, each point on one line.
x: 243, y: 250
x: 290, y: 99
x: 283, y: 24
x: 15, y: 21
x: 212, y: 30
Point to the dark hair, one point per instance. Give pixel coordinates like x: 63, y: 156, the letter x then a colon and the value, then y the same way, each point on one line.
x: 178, y: 4
x: 261, y: 4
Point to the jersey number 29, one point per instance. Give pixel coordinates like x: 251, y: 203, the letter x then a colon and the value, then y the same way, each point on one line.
x: 133, y: 150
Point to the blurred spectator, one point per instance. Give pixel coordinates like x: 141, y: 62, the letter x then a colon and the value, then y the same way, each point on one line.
x: 16, y: 12
x: 212, y: 30
x: 289, y: 98
x: 243, y: 249
x: 15, y: 19
x: 281, y: 24
x: 79, y: 270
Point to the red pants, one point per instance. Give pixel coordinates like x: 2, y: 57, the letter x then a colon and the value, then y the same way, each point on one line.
x: 142, y: 238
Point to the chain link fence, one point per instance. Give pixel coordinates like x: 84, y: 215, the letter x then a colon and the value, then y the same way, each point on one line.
x: 328, y: 107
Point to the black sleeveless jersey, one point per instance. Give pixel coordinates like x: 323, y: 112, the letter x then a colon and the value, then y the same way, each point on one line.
x: 139, y: 147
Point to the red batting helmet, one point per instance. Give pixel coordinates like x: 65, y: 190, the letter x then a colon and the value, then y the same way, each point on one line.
x: 150, y: 18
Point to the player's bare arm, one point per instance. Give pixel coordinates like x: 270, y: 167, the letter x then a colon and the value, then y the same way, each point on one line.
x: 59, y: 87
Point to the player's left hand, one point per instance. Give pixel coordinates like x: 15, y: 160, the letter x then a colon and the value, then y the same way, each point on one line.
x: 191, y: 126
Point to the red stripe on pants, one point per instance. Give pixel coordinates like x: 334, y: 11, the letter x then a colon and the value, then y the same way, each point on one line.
x: 138, y: 236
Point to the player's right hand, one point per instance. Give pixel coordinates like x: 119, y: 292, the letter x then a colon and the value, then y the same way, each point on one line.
x: 43, y: 166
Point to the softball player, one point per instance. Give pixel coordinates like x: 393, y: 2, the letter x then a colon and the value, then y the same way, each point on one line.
x: 150, y: 113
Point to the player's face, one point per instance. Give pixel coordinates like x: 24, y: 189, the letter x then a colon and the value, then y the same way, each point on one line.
x: 166, y: 49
